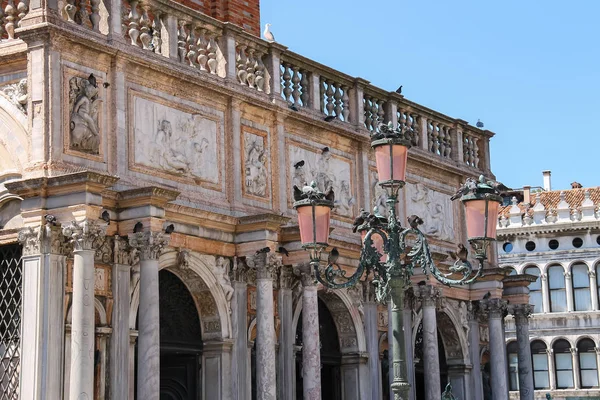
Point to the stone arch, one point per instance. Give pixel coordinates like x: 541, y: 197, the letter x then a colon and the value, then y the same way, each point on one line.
x: 14, y: 140
x: 453, y: 336
x: 10, y: 212
x: 99, y: 308
x: 557, y: 338
x: 208, y: 295
x: 577, y: 261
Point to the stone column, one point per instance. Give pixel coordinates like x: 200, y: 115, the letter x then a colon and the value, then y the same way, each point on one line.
x: 372, y: 337
x: 498, y: 368
x: 286, y: 359
x: 594, y: 288
x: 569, y: 289
x: 598, y: 362
x: 409, y: 304
x: 120, y: 339
x: 576, y: 371
x: 239, y: 321
x: 85, y: 237
x: 42, y: 327
x: 429, y: 297
x: 545, y: 293
x: 150, y: 245
x: 265, y: 264
x: 311, y: 353
x: 522, y: 313
x: 551, y: 370
x: 473, y: 315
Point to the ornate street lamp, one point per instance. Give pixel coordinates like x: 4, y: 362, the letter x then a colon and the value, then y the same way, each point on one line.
x: 386, y: 253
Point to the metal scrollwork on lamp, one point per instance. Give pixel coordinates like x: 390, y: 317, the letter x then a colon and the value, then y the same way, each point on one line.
x: 390, y: 252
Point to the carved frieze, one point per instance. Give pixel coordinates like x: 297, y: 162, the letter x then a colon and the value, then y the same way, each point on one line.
x: 16, y: 93
x: 174, y: 141
x: 327, y: 170
x: 256, y: 164
x: 434, y: 208
x: 84, y: 107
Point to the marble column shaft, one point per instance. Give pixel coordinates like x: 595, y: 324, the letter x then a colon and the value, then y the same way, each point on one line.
x: 498, y: 367
x: 474, y: 343
x: 120, y: 339
x: 311, y: 349
x: 545, y: 292
x: 265, y: 265
x: 42, y: 338
x: 239, y: 309
x: 576, y: 370
x: 526, y: 388
x: 85, y: 236
x: 372, y: 337
x: 594, y: 288
x: 150, y: 245
x: 429, y: 296
x: 285, y: 356
x: 569, y: 290
x: 551, y: 369
x: 408, y: 343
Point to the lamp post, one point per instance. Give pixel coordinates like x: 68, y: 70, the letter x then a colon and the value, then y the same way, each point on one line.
x: 385, y: 251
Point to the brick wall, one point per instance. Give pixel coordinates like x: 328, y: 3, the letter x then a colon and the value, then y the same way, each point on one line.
x: 243, y: 13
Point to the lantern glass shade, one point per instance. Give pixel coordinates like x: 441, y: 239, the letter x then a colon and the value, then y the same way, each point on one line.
x: 377, y: 242
x: 313, y: 231
x: 391, y: 162
x: 476, y: 221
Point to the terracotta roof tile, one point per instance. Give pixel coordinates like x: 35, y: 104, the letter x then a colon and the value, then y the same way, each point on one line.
x: 550, y: 200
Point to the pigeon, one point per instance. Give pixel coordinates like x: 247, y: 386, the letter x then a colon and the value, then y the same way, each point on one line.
x: 330, y: 195
x: 333, y: 256
x: 461, y: 253
x: 299, y: 164
x: 487, y: 296
x: 399, y: 90
x: 50, y: 219
x: 138, y: 227
x: 92, y: 80
x: 283, y: 251
x: 169, y: 229
x: 329, y: 118
x: 308, y: 190
x: 470, y: 185
x: 361, y: 219
x: 325, y: 150
x: 298, y: 193
x: 479, y: 124
x: 106, y: 84
x: 268, y: 34
x: 105, y: 216
x: 264, y: 250
x: 293, y: 107
x: 414, y: 221
x: 498, y: 186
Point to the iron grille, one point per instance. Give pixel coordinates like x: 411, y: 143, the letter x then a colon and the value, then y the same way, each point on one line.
x: 10, y: 321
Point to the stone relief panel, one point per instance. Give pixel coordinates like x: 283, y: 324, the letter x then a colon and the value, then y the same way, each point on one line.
x: 434, y: 208
x: 327, y: 170
x: 255, y: 163
x: 16, y: 93
x: 84, y: 108
x: 174, y: 141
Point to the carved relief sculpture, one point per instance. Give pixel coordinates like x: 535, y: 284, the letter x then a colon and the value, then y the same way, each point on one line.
x: 434, y: 207
x: 221, y: 271
x: 255, y: 165
x: 83, y: 118
x: 16, y: 93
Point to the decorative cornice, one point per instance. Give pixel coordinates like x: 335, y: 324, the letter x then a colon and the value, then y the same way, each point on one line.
x: 84, y: 235
x: 152, y: 195
x: 85, y: 181
x: 149, y: 244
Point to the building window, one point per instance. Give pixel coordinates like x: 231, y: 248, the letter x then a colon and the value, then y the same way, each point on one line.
x: 553, y: 244
x: 598, y: 282
x: 530, y: 246
x: 507, y: 247
x: 563, y: 362
x: 577, y: 242
x: 540, y: 365
x: 556, y: 284
x: 513, y: 365
x: 535, y: 289
x: 581, y: 287
x: 587, y: 363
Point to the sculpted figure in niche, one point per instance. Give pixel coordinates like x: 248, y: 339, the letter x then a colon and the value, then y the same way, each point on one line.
x: 17, y: 94
x: 256, y: 170
x: 324, y: 177
x: 83, y: 124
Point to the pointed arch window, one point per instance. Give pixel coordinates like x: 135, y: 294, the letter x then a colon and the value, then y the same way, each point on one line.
x: 556, y: 284
x: 581, y: 287
x: 535, y: 289
x: 588, y: 366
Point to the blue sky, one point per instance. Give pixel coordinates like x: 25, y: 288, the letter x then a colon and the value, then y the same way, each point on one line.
x: 528, y: 69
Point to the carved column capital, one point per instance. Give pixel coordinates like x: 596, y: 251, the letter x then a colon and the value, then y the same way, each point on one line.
x: 522, y: 312
x: 286, y: 278
x: 549, y: 351
x: 410, y: 299
x: 45, y: 239
x: 305, y: 273
x: 123, y: 253
x: 496, y: 308
x: 149, y: 244
x: 430, y: 296
x: 597, y: 351
x: 265, y: 264
x: 574, y: 351
x: 239, y: 271
x: 84, y: 235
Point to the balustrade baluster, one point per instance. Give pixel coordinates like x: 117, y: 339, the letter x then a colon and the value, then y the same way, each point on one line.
x: 259, y: 73
x: 145, y: 36
x: 23, y: 8
x: 95, y: 15
x: 241, y: 65
x: 380, y: 113
x: 295, y: 85
x: 191, y: 44
x: 156, y: 27
x: 10, y: 12
x: 322, y: 93
x: 286, y: 82
x: 304, y: 84
x: 181, y: 37
x: 134, y: 17
x: 202, y: 46
x: 337, y: 98
x: 329, y: 93
x: 2, y: 21
x: 250, y: 63
x: 345, y: 103
x: 442, y: 139
x: 367, y: 111
x: 475, y: 154
x: 81, y: 15
x: 212, y: 54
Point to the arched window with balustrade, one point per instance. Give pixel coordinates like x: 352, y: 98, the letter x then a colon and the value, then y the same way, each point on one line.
x: 535, y: 289
x: 513, y: 365
x: 539, y: 357
x: 563, y: 364
x: 588, y: 366
x: 581, y: 287
x: 556, y: 285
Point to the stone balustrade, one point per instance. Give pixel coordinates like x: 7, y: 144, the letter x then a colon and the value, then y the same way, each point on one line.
x: 226, y: 52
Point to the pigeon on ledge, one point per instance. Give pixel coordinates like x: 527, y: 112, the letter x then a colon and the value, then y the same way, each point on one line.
x: 268, y: 34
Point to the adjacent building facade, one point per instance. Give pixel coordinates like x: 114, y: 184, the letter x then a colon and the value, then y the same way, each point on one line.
x: 555, y: 235
x: 148, y: 152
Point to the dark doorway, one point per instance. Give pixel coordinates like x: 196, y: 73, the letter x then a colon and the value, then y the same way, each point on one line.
x: 180, y: 341
x: 331, y: 356
x: 419, y: 367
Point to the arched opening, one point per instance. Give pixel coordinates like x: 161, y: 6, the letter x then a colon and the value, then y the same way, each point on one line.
x: 180, y: 340
x: 420, y: 380
x: 331, y: 356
